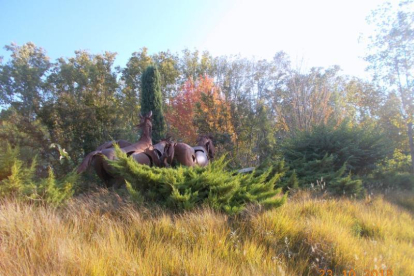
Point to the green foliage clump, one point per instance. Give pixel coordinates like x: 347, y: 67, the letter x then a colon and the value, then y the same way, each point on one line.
x: 289, y: 179
x: 332, y: 154
x: 17, y: 180
x: 393, y: 173
x: 397, y: 181
x: 337, y: 181
x: 360, y: 148
x: 184, y: 188
x: 151, y: 100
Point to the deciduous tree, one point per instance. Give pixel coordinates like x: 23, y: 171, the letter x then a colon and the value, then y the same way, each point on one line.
x: 390, y: 54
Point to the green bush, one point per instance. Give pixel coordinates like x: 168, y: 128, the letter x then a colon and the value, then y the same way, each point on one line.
x: 388, y: 180
x: 184, y: 188
x: 398, y: 163
x: 332, y: 154
x: 360, y: 148
x: 393, y: 173
x: 17, y: 180
x: 289, y: 179
x: 304, y: 173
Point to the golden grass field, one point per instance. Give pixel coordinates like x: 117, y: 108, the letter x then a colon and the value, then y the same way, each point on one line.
x: 99, y: 234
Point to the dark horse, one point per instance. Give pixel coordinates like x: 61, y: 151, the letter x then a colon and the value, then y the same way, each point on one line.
x: 183, y: 154
x: 101, y: 166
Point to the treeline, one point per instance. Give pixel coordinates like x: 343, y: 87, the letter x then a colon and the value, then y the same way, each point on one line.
x: 253, y: 108
x: 82, y: 101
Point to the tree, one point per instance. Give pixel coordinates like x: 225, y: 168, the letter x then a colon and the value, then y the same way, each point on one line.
x: 167, y: 65
x: 390, y: 54
x: 85, y: 109
x: 212, y: 114
x: 180, y: 113
x: 200, y: 109
x: 310, y: 99
x: 264, y: 131
x: 22, y: 79
x: 151, y: 100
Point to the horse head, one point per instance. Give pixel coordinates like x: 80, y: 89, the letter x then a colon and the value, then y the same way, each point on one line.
x: 146, y: 123
x: 206, y: 141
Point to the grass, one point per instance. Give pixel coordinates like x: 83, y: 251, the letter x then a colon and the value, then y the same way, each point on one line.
x: 100, y: 234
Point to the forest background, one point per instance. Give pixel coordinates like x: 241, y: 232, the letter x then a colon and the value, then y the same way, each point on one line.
x: 258, y: 111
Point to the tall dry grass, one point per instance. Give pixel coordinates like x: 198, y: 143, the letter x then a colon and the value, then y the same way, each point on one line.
x: 99, y: 234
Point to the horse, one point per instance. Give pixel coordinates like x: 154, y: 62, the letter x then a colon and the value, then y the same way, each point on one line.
x: 204, y: 150
x: 111, y: 144
x: 183, y: 154
x: 152, y: 155
x: 101, y: 166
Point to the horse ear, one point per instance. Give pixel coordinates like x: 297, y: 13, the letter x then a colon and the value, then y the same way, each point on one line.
x: 150, y: 114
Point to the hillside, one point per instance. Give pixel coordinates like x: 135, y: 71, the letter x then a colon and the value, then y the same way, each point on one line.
x: 100, y: 234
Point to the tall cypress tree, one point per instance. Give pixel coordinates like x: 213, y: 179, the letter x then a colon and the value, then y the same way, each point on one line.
x: 151, y: 100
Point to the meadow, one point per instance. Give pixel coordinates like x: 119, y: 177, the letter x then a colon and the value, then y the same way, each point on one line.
x: 100, y: 233
x: 331, y: 193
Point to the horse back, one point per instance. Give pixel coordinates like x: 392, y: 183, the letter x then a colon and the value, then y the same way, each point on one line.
x: 184, y: 155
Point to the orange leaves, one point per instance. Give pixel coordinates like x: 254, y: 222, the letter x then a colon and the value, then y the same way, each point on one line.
x: 180, y: 113
x: 198, y: 108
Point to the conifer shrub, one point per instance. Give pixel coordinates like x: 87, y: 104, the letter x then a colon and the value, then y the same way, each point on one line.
x: 289, y: 179
x: 360, y: 148
x: 18, y: 180
x: 341, y: 157
x: 184, y: 188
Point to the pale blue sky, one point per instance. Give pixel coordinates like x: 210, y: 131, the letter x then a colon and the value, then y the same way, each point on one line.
x: 317, y: 32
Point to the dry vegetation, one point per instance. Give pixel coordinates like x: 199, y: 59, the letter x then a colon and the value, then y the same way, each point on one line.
x: 99, y: 234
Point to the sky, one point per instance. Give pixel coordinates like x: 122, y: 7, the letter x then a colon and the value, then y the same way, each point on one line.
x: 314, y: 33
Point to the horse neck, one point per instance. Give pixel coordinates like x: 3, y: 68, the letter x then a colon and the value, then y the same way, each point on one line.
x: 146, y: 134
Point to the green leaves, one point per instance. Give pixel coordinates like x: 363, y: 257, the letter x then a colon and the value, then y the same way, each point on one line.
x: 18, y: 180
x: 184, y: 188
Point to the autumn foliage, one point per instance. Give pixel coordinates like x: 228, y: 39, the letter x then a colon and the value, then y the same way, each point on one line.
x: 199, y: 108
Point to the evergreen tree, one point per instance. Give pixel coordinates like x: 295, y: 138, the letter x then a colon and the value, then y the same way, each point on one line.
x: 151, y: 100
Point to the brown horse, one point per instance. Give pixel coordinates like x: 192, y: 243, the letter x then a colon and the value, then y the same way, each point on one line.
x: 152, y: 155
x: 111, y: 144
x: 183, y: 154
x: 101, y: 166
x: 88, y: 158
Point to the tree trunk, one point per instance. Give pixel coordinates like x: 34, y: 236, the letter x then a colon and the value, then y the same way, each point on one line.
x: 410, y: 139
